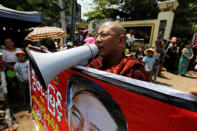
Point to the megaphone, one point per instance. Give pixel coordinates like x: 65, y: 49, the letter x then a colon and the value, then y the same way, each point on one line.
x: 48, y: 65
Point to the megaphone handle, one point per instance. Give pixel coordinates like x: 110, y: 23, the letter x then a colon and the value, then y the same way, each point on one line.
x: 35, y: 48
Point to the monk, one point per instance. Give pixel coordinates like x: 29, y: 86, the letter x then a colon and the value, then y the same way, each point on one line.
x: 110, y: 40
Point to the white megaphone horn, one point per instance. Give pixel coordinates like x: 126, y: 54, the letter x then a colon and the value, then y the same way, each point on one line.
x: 48, y: 65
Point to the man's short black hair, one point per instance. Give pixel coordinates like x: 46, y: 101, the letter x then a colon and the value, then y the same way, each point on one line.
x: 48, y: 42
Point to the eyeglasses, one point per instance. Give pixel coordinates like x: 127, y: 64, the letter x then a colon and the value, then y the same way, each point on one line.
x: 104, y: 35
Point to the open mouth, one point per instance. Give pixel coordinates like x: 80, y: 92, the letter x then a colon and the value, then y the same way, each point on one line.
x: 100, y: 49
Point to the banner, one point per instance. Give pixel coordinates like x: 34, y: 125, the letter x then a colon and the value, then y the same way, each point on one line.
x: 194, y: 39
x: 91, y: 100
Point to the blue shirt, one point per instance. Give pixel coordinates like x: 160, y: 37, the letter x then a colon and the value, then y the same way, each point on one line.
x: 149, y: 61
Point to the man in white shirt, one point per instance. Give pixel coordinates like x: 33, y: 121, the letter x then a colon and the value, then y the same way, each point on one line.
x: 130, y: 39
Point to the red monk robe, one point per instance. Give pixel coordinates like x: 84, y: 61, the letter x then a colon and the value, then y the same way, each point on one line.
x: 127, y: 67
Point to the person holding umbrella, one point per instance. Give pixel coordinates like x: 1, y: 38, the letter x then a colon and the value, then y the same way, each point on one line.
x: 40, y: 33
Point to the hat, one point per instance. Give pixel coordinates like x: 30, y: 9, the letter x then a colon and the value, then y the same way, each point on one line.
x: 70, y: 43
x: 174, y: 40
x: 131, y: 30
x: 20, y: 52
x: 84, y: 31
x: 150, y: 49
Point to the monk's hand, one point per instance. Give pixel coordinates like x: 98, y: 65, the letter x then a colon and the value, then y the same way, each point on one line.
x: 43, y: 47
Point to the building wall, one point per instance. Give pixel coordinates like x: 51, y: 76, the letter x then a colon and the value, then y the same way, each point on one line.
x: 143, y: 23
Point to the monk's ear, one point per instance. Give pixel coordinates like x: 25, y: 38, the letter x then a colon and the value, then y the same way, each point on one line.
x: 124, y: 45
x: 122, y: 39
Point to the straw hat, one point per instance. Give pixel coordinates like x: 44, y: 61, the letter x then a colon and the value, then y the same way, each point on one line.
x: 150, y: 49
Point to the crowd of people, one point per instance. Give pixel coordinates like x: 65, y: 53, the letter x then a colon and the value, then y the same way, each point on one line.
x: 16, y: 71
x: 116, y: 55
x: 176, y: 56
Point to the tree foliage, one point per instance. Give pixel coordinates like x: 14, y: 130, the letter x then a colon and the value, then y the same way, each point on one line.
x: 104, y: 9
x: 127, y: 9
x: 185, y: 20
x: 185, y: 17
x: 141, y: 9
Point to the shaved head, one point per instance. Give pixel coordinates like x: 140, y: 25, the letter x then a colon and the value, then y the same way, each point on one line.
x: 115, y: 27
x: 110, y: 41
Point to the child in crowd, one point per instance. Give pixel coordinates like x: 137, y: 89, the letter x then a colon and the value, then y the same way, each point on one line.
x: 158, y: 60
x: 149, y: 60
x: 21, y: 69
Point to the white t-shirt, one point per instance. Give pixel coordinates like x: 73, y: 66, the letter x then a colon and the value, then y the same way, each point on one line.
x: 149, y: 61
x: 24, y: 69
x: 131, y: 38
x: 10, y: 56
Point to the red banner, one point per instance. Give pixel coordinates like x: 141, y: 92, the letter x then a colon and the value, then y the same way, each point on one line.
x: 194, y: 39
x: 87, y: 99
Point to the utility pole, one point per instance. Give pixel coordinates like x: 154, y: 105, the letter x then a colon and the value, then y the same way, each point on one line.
x: 73, y: 20
x: 62, y: 4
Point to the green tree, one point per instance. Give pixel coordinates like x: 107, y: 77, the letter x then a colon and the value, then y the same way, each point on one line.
x: 185, y: 20
x: 127, y: 9
x: 103, y: 10
x: 140, y: 9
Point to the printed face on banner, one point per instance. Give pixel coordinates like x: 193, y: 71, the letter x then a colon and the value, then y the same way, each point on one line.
x: 86, y: 116
x: 91, y: 108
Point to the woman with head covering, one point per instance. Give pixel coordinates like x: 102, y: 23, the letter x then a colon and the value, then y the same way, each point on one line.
x: 172, y: 55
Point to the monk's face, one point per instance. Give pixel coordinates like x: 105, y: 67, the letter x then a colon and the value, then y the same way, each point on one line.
x: 108, y: 41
